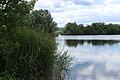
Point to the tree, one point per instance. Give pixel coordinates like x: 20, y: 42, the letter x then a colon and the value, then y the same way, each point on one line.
x: 27, y: 54
x: 93, y: 29
x: 71, y: 28
x: 43, y: 21
x: 12, y: 13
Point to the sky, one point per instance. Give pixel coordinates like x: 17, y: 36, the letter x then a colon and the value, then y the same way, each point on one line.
x: 81, y: 11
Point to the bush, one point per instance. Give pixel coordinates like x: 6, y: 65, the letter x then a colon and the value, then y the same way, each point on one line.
x: 32, y: 55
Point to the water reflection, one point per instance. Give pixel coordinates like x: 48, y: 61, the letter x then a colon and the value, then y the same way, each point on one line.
x: 94, y: 71
x: 75, y: 43
x: 96, y: 57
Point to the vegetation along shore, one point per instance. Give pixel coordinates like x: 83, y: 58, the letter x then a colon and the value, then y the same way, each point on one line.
x: 27, y: 43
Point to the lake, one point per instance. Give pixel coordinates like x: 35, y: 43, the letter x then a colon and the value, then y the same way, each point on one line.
x: 96, y: 57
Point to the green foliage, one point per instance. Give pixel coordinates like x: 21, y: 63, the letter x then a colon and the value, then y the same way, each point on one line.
x: 7, y: 77
x: 58, y: 31
x: 7, y: 48
x: 93, y: 29
x: 28, y: 50
x: 42, y: 20
x: 35, y: 57
x: 61, y: 66
x: 12, y: 12
x: 71, y: 28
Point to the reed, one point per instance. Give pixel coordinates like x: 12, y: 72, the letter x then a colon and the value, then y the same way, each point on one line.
x: 34, y: 57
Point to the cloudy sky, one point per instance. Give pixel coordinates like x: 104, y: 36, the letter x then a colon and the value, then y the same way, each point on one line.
x: 82, y: 11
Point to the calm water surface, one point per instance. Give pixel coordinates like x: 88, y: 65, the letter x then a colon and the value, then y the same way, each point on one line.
x: 96, y: 57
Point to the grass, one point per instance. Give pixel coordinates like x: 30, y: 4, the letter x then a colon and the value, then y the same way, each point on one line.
x: 33, y: 56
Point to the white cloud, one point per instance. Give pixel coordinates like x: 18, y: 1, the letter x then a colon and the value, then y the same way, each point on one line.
x: 82, y: 11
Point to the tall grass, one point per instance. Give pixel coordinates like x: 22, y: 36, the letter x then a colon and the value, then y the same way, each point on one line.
x: 32, y: 55
x: 61, y: 66
x: 35, y: 57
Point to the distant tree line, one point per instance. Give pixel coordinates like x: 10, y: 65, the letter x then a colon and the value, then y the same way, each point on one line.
x: 93, y: 29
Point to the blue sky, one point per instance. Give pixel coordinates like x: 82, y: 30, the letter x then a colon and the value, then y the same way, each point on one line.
x: 82, y: 11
